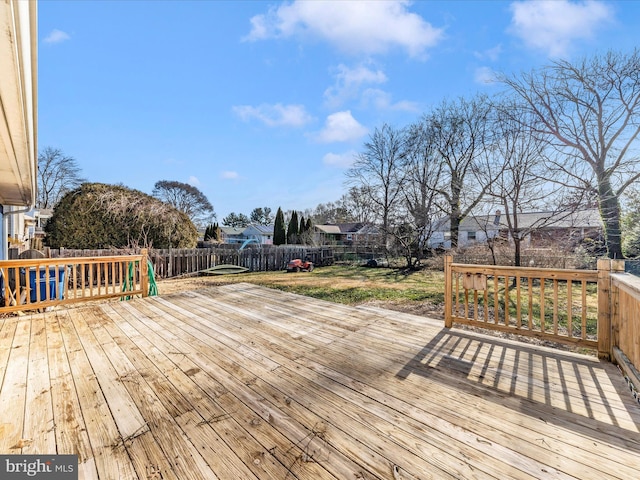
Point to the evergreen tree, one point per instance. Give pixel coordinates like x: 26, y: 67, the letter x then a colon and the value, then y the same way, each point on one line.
x: 305, y: 235
x: 208, y: 233
x: 279, y: 233
x: 303, y: 226
x: 212, y: 233
x: 292, y: 229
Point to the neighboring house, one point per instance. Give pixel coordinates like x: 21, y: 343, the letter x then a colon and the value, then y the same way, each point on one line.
x: 41, y: 217
x: 232, y: 234
x: 538, y: 228
x: 569, y: 229
x: 471, y: 230
x: 263, y: 234
x: 18, y: 128
x: 346, y: 234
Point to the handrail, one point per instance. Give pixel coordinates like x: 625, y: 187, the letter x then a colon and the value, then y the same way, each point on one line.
x: 625, y: 322
x: 28, y: 284
x: 556, y: 304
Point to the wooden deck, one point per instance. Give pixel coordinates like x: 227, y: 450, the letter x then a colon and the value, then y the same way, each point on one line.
x: 241, y: 382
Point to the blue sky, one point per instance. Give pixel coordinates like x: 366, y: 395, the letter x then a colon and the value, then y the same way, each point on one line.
x: 265, y: 103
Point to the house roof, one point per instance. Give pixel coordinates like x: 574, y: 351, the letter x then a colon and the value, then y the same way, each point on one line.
x: 589, y: 218
x: 232, y: 231
x: 332, y: 229
x: 579, y: 219
x: 342, y: 228
x: 18, y: 103
x: 260, y: 229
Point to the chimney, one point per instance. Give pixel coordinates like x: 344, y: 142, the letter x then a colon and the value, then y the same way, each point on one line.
x: 496, y: 220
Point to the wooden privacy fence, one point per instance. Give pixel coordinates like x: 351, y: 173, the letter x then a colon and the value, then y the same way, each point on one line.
x: 28, y: 284
x: 173, y: 262
x: 570, y: 306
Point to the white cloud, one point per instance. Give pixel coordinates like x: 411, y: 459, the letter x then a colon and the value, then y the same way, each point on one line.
x: 341, y: 160
x: 484, y: 75
x: 341, y: 127
x: 381, y: 100
x: 355, y: 27
x: 276, y: 115
x: 229, y: 175
x: 492, y: 54
x: 193, y: 181
x: 56, y: 36
x: 552, y: 26
x: 349, y: 81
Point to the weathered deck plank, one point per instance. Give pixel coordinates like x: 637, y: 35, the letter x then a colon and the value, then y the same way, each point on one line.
x: 13, y: 393
x: 242, y: 382
x: 70, y: 430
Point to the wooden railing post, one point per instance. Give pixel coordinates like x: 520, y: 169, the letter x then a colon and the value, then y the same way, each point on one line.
x: 144, y: 272
x: 617, y: 266
x: 604, y: 309
x: 448, y: 285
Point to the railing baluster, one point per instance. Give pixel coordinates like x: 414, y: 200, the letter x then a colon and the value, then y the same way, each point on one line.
x: 555, y: 306
x: 475, y: 305
x: 570, y: 308
x: 496, y: 303
x: 542, y: 302
x: 530, y: 295
x: 518, y: 304
x: 584, y: 310
x: 486, y: 304
x: 507, y: 297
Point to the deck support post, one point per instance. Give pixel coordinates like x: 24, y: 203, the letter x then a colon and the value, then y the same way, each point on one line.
x: 448, y: 300
x: 606, y: 305
x: 144, y: 272
x: 604, y: 309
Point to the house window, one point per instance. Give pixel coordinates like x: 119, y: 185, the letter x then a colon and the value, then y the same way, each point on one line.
x: 471, y: 236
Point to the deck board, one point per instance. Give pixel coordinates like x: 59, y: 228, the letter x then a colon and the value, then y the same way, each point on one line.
x: 243, y: 382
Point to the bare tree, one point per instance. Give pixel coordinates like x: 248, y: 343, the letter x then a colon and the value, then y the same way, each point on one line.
x: 589, y: 111
x: 460, y: 136
x: 379, y: 171
x: 187, y: 199
x: 57, y: 174
x: 518, y: 177
x: 420, y: 193
x: 357, y: 202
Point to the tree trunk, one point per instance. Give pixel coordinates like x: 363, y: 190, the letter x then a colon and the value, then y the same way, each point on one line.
x: 610, y: 214
x: 454, y: 230
x: 517, y: 248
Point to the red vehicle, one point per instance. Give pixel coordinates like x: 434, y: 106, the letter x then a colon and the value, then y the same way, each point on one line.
x: 298, y: 265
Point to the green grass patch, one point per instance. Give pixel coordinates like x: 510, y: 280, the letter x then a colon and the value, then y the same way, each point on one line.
x: 358, y: 295
x: 352, y: 285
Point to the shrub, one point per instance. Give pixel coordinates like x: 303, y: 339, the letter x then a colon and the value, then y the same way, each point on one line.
x: 97, y: 215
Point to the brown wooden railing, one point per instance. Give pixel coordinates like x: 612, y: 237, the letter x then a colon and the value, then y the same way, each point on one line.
x: 625, y: 322
x: 555, y: 304
x: 34, y: 284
